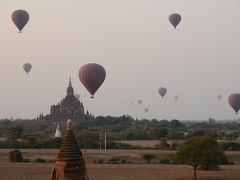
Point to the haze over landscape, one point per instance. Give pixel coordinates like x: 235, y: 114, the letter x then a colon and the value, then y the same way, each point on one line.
x: 139, y: 49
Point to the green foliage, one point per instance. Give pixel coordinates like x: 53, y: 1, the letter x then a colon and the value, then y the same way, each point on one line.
x: 201, y: 151
x: 114, y: 160
x: 32, y: 141
x: 164, y: 161
x: 163, y: 124
x: 160, y: 133
x: 40, y: 160
x: 176, y: 124
x: 16, y: 131
x: 163, y: 144
x: 15, y: 156
x: 26, y: 160
x: 149, y: 157
x: 88, y: 140
x: 231, y: 146
x: 100, y: 161
x: 39, y: 133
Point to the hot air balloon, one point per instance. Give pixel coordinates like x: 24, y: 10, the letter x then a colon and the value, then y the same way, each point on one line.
x: 176, y: 98
x: 139, y: 101
x: 175, y: 19
x: 146, y: 110
x: 27, y: 67
x: 162, y: 91
x: 234, y: 101
x: 92, y: 76
x: 219, y: 97
x: 77, y: 96
x: 20, y: 18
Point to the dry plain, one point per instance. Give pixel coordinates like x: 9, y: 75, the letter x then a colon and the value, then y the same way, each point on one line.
x: 138, y: 170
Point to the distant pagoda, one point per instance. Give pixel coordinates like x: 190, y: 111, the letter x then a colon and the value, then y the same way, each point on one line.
x: 70, y: 164
x: 70, y: 107
x: 58, y: 132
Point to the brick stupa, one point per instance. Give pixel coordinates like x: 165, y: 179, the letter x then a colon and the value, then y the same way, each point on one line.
x: 70, y: 164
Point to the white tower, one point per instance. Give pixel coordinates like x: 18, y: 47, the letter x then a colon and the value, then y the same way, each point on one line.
x: 58, y: 132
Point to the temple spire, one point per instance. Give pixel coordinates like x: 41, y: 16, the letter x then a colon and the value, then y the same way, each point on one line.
x: 70, y: 164
x: 70, y: 82
x: 70, y: 91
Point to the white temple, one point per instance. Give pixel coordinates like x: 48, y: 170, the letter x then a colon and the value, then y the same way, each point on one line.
x: 58, y: 132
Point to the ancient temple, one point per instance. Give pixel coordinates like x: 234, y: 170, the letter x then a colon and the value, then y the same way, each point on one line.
x: 70, y: 164
x: 69, y: 108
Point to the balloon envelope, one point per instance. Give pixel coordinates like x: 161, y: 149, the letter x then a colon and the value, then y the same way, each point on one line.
x: 175, y: 19
x: 176, y: 98
x: 139, y: 101
x: 20, y: 18
x: 234, y: 101
x: 27, y: 67
x: 162, y: 91
x: 146, y: 110
x: 92, y: 76
x: 219, y: 97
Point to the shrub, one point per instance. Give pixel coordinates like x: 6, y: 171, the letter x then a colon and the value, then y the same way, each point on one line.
x: 50, y: 161
x: 40, y: 160
x: 114, y: 160
x: 15, y: 156
x: 100, y: 161
x: 164, y: 161
x: 26, y: 160
x: 149, y: 157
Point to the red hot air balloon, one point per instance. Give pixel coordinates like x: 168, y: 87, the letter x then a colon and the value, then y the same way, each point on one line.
x: 92, y: 76
x: 175, y: 19
x: 234, y: 101
x: 20, y: 19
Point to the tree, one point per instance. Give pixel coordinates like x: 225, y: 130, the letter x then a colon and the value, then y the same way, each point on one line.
x: 163, y: 123
x: 160, y: 132
x: 174, y: 124
x: 163, y: 143
x: 149, y: 157
x: 32, y: 141
x: 15, y: 156
x: 16, y: 131
x: 200, y: 151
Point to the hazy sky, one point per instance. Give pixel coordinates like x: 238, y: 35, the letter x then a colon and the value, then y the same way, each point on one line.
x: 138, y: 47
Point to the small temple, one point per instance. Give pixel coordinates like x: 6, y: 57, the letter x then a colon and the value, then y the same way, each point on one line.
x: 70, y: 164
x: 58, y: 132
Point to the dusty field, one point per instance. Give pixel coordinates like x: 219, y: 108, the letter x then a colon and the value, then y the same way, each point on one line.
x: 42, y: 171
x: 142, y: 143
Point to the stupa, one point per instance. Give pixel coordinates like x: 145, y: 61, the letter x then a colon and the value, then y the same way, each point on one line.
x: 70, y: 164
x: 58, y: 132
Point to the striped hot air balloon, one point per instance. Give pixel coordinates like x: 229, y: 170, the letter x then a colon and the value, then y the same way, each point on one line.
x: 92, y: 76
